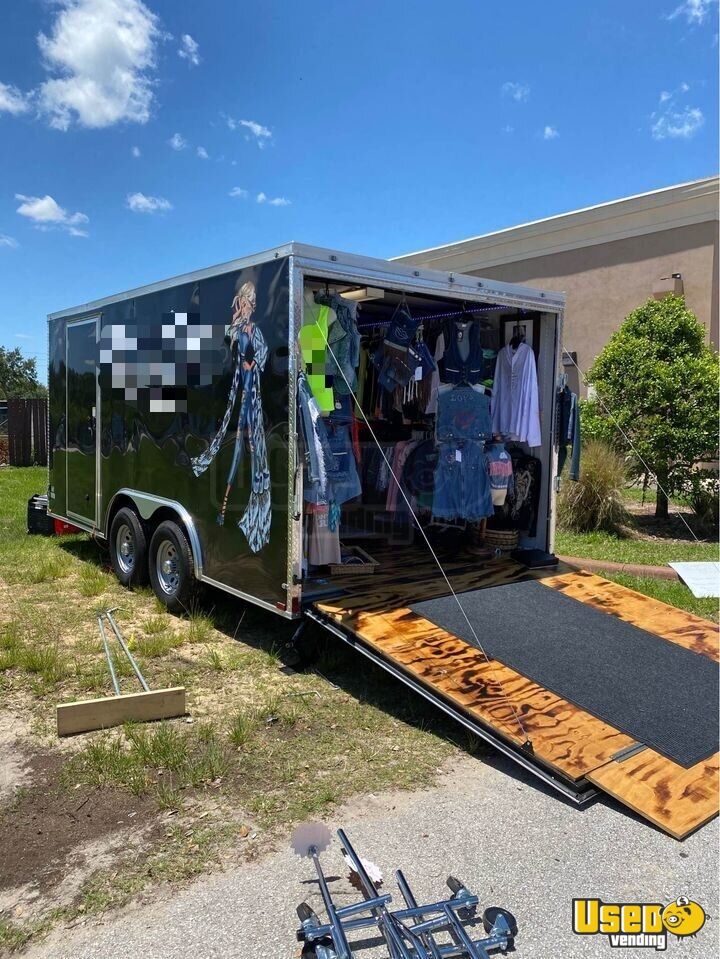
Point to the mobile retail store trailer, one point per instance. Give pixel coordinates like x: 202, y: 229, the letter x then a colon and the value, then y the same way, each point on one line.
x: 198, y: 424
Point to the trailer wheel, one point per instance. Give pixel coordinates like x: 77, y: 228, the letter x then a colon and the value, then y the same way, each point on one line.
x: 172, y: 571
x: 128, y: 548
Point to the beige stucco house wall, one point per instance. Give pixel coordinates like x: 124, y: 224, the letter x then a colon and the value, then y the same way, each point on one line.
x: 607, y: 259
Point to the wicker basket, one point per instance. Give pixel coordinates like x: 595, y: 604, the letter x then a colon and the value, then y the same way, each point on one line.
x: 356, y: 562
x: 505, y: 539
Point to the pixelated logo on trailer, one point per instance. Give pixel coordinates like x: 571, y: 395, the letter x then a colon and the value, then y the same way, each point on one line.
x: 154, y: 364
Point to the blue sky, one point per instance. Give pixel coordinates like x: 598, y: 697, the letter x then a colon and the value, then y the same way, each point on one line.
x: 144, y: 139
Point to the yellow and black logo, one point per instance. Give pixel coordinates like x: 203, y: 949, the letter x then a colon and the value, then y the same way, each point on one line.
x: 633, y: 924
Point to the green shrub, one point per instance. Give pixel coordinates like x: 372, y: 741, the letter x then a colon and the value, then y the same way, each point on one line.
x: 595, y: 501
x: 701, y: 489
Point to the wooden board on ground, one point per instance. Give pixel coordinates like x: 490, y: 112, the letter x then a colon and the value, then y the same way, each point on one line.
x: 90, y: 714
x: 564, y: 737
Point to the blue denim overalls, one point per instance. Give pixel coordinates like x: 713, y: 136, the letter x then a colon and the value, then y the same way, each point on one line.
x: 462, y: 486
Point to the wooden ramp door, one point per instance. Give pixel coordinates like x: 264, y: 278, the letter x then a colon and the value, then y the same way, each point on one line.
x: 571, y: 749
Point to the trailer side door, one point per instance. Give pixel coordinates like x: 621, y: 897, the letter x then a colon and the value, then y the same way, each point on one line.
x: 81, y: 418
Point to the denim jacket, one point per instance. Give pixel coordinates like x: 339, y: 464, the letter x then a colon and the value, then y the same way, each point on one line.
x: 344, y: 341
x: 320, y: 463
x: 463, y: 414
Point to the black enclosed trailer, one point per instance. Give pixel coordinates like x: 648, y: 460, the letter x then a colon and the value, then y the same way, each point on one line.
x: 175, y: 437
x: 146, y: 400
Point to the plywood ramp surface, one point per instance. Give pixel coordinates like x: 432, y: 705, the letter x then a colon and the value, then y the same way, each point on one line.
x: 565, y: 738
x: 675, y: 625
x: 677, y: 800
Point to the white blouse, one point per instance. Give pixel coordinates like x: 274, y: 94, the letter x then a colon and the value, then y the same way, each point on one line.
x: 515, y: 407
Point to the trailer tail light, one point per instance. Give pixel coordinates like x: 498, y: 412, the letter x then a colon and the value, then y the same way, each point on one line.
x: 281, y: 606
x: 64, y: 529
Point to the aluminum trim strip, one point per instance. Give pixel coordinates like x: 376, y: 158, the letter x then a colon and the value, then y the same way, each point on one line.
x: 249, y: 598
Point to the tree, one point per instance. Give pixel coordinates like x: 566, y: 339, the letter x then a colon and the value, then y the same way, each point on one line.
x: 659, y: 380
x: 18, y: 376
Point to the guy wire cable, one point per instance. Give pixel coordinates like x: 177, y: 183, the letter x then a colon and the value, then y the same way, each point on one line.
x: 478, y: 644
x: 630, y: 444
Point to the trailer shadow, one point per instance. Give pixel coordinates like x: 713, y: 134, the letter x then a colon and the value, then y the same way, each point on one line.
x: 335, y: 663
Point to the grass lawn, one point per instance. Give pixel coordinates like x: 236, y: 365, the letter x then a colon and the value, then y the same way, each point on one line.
x: 647, y: 542
x: 647, y: 551
x: 263, y: 747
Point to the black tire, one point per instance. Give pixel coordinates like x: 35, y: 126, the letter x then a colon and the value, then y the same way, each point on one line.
x: 172, y: 571
x: 491, y: 914
x: 128, y: 548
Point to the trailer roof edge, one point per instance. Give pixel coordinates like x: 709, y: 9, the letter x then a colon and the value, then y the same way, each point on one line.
x: 553, y: 300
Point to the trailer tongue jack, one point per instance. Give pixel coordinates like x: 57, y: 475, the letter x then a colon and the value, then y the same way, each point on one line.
x: 410, y: 933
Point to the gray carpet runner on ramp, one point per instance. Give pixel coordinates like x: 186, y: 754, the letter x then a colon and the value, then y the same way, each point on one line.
x: 659, y: 693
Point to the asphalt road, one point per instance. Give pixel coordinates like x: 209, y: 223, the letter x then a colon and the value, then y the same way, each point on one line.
x: 513, y: 844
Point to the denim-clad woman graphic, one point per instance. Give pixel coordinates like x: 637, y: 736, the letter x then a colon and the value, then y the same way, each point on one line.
x: 249, y: 351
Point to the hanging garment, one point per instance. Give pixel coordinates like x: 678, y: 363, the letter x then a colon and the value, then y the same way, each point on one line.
x: 419, y: 474
x: 319, y: 460
x: 520, y: 510
x: 500, y: 471
x: 250, y: 353
x: 462, y: 360
x: 515, y: 405
x: 401, y: 453
x: 392, y: 359
x: 344, y: 483
x: 463, y: 414
x: 343, y: 355
x: 313, y: 339
x: 462, y: 485
x: 323, y: 540
x: 567, y: 430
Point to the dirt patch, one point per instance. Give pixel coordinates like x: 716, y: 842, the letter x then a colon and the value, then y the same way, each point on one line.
x: 54, y: 835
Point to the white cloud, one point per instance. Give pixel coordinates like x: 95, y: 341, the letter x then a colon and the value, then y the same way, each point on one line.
x: 12, y: 100
x: 24, y: 336
x: 673, y: 124
x: 8, y: 241
x: 518, y: 91
x: 508, y: 129
x: 47, y: 214
x: 135, y: 152
x: 550, y: 133
x: 202, y: 153
x: 694, y: 11
x: 237, y: 191
x: 272, y: 201
x: 140, y: 203
x: 675, y: 120
x: 177, y: 142
x: 189, y: 50
x: 101, y: 52
x: 255, y: 131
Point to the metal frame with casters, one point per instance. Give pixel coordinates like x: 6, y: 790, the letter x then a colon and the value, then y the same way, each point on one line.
x: 578, y: 791
x: 409, y: 932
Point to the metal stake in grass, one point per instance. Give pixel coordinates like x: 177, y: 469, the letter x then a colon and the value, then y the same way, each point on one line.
x: 116, y: 684
x: 118, y: 636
